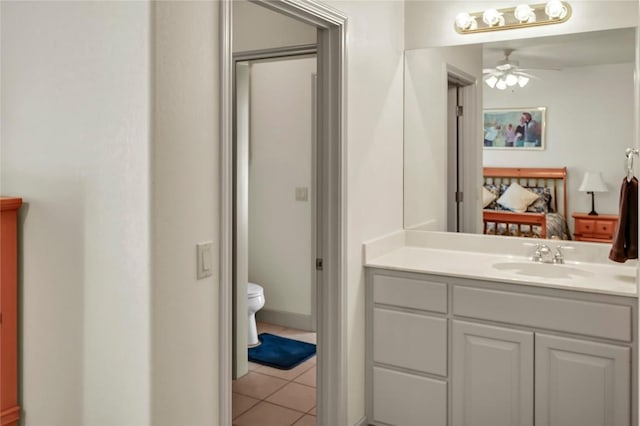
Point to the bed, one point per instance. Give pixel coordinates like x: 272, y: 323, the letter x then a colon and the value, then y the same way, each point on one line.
x: 545, y: 217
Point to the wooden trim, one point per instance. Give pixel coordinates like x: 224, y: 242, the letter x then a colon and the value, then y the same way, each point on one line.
x: 10, y: 416
x: 512, y: 218
x: 526, y: 172
x: 10, y: 203
x: 609, y: 217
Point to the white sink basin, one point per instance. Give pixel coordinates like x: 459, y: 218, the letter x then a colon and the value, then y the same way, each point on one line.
x: 542, y: 270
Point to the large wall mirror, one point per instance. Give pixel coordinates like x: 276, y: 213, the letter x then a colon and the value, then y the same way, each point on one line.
x: 579, y: 93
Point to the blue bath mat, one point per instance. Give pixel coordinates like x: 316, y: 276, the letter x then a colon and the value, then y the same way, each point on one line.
x: 280, y: 352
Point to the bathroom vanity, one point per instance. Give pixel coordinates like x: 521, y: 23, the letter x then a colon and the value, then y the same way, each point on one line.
x: 467, y: 338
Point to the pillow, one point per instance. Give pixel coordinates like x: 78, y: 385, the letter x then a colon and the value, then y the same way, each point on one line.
x: 495, y: 191
x: 487, y: 197
x: 543, y: 203
x: 516, y: 198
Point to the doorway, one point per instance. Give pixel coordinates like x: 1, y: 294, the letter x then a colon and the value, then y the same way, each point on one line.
x: 274, y: 229
x: 330, y: 241
x: 461, y: 109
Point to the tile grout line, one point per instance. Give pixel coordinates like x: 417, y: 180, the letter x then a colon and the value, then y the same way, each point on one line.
x: 287, y: 382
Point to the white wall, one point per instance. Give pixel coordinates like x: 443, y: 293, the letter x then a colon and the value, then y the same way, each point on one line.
x: 425, y: 131
x: 280, y: 160
x: 75, y: 143
x: 430, y: 22
x: 374, y: 142
x: 256, y: 27
x: 185, y: 211
x: 589, y: 124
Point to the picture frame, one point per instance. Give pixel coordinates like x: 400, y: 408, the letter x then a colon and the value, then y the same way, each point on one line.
x: 515, y: 128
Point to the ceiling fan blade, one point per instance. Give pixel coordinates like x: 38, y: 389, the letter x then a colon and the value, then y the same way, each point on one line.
x: 493, y: 74
x: 488, y: 70
x: 541, y: 69
x: 524, y: 74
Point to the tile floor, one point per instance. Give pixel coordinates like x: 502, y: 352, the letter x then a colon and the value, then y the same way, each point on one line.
x: 270, y: 397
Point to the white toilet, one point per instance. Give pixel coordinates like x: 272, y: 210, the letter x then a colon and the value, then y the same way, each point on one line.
x: 255, y: 293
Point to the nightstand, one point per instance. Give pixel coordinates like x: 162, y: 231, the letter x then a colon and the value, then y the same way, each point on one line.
x: 598, y: 228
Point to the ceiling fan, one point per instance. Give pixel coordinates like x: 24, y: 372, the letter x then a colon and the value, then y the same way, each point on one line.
x: 507, y: 73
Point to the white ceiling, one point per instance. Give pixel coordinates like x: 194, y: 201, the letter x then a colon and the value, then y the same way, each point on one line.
x: 572, y: 50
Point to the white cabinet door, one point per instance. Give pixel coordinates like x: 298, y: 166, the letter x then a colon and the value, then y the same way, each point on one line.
x: 580, y: 383
x: 492, y: 376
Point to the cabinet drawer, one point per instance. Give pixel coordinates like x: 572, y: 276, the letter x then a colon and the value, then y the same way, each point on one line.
x: 413, y: 341
x: 585, y: 226
x: 605, y: 228
x: 574, y: 316
x: 410, y: 293
x: 405, y: 399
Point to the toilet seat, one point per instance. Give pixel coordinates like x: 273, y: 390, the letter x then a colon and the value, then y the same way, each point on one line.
x: 254, y: 290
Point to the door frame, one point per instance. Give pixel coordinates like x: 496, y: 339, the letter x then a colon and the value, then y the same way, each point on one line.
x: 465, y: 171
x: 332, y: 173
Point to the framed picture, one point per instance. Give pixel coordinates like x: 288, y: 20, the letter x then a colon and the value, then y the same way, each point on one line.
x: 515, y: 128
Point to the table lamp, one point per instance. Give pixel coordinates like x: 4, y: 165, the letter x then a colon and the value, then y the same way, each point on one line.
x: 591, y: 183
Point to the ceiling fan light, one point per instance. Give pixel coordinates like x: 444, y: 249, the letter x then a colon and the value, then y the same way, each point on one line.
x: 555, y: 9
x: 493, y: 18
x: 501, y: 84
x: 511, y: 80
x: 491, y: 81
x: 522, y: 80
x: 524, y: 13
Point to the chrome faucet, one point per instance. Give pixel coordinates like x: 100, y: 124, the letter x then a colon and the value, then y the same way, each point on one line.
x: 558, y: 257
x: 542, y: 252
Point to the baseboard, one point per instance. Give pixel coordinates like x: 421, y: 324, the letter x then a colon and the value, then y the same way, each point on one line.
x: 286, y: 319
x: 363, y: 422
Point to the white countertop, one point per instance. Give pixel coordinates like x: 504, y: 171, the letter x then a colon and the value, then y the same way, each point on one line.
x: 604, y: 278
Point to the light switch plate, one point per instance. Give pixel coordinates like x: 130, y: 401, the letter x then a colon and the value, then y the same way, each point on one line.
x: 204, y: 261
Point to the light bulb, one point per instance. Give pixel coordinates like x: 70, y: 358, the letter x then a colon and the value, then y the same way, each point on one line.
x: 492, y: 17
x: 555, y: 9
x: 522, y: 80
x: 491, y: 81
x: 511, y: 80
x: 464, y: 21
x: 524, y: 13
x: 501, y: 84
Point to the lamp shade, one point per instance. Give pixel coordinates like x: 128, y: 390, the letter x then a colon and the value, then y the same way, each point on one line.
x: 592, y: 182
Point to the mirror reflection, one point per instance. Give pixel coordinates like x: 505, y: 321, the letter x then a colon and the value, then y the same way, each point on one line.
x: 533, y: 139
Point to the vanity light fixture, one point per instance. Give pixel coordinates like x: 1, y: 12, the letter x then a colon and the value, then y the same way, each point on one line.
x: 521, y: 16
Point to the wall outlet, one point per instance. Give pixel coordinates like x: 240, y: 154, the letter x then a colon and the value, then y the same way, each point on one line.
x: 204, y: 261
x: 302, y: 193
